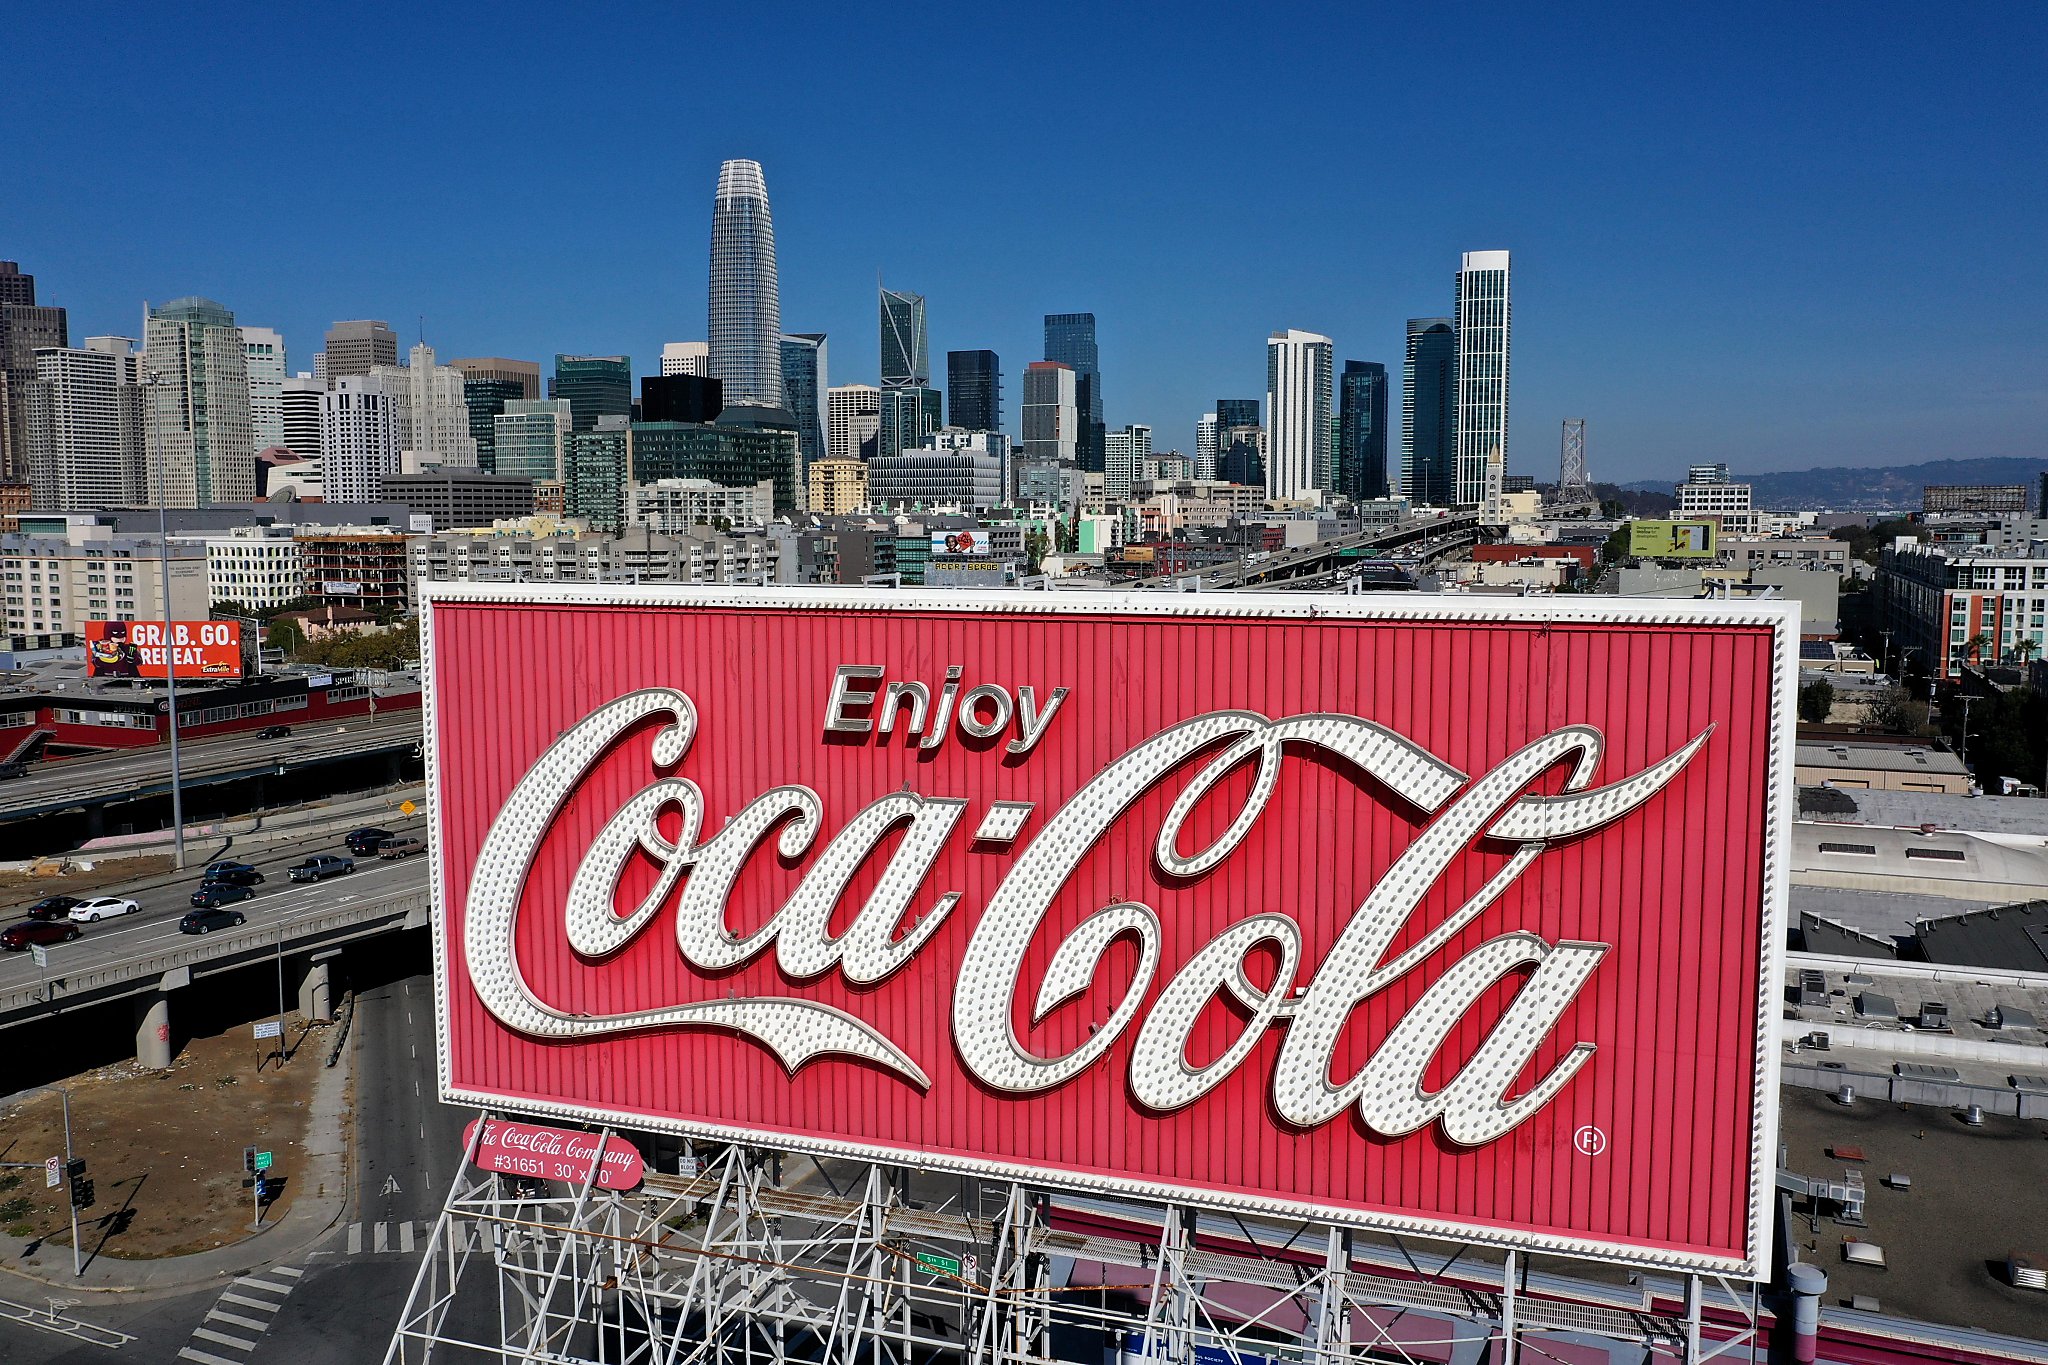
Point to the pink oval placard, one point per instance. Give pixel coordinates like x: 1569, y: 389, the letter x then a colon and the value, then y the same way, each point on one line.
x: 552, y: 1153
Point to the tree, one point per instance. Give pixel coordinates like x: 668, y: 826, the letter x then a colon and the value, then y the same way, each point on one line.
x: 1816, y: 699
x: 1974, y: 647
x: 285, y: 635
x: 2024, y: 650
x: 1895, y: 712
x: 1616, y: 548
x: 1035, y: 547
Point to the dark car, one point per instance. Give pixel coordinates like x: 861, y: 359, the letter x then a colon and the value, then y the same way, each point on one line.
x: 363, y: 842
x: 273, y: 732
x: 321, y: 867
x: 212, y: 895
x: 16, y: 938
x: 51, y: 907
x: 13, y: 769
x: 239, y: 874
x: 208, y: 920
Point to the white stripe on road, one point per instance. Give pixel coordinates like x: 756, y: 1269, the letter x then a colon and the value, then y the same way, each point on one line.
x: 224, y: 1339
x: 252, y: 1282
x: 204, y: 1357
x: 292, y: 1271
x: 247, y: 1302
x: 405, y: 1237
x: 236, y: 1320
x: 355, y: 1239
x: 383, y: 1238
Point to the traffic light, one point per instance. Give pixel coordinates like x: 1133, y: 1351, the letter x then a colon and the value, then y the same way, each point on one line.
x: 74, y: 1168
x: 81, y: 1194
x: 249, y: 1160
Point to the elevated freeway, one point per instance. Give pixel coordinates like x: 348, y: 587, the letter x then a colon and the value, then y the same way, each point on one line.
x: 1426, y: 539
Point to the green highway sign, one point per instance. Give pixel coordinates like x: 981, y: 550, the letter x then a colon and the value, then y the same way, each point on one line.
x: 938, y: 1265
x: 263, y: 1161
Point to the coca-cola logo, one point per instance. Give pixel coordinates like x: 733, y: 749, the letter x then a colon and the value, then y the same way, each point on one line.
x: 698, y: 867
x: 552, y: 1153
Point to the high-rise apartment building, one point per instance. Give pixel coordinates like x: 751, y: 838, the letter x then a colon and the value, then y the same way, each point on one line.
x: 358, y: 346
x: 1070, y: 341
x: 359, y: 436
x: 1206, y: 447
x: 746, y: 305
x: 1298, y: 366
x: 974, y: 390
x: 1429, y: 413
x: 1362, y: 430
x: 595, y: 386
x: 594, y: 477
x: 1124, y: 456
x: 1482, y: 323
x: 263, y: 350
x: 853, y: 422
x: 201, y: 436
x: 838, y: 487
x: 299, y: 411
x: 530, y: 437
x: 25, y: 328
x: 1052, y: 413
x: 85, y: 427
x: 686, y: 357
x: 803, y: 391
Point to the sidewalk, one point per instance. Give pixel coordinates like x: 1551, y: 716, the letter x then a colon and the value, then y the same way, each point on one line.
x: 313, y: 1214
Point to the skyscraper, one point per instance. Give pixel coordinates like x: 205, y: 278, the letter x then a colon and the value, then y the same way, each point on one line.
x: 974, y: 390
x: 594, y: 474
x: 488, y: 384
x: 1362, y: 430
x: 359, y: 440
x: 200, y: 431
x: 1236, y: 412
x: 685, y: 357
x: 524, y: 373
x: 263, y: 349
x: 1298, y: 401
x: 299, y: 405
x: 853, y: 422
x: 1482, y: 313
x: 25, y: 328
x: 430, y: 413
x: 906, y: 350
x: 1051, y: 412
x: 746, y: 306
x: 597, y: 386
x: 1206, y: 446
x: 531, y: 436
x: 1124, y: 456
x: 1429, y: 413
x: 803, y: 391
x: 356, y: 347
x: 1070, y: 340
x: 84, y: 414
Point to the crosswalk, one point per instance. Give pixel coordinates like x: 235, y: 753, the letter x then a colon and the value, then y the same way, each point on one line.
x: 375, y: 1238
x: 240, y: 1317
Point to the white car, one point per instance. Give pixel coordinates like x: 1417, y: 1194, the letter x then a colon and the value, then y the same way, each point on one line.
x: 100, y: 907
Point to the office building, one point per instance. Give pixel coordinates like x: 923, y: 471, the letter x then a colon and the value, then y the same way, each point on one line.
x: 200, y: 447
x: 909, y: 414
x: 1124, y: 456
x: 906, y: 352
x: 1298, y: 376
x: 1706, y: 473
x: 1237, y: 412
x: 25, y: 328
x: 746, y: 306
x: 680, y: 398
x: 263, y: 350
x: 970, y: 480
x: 74, y: 569
x: 673, y: 506
x: 1070, y: 341
x: 486, y: 399
x: 837, y: 486
x: 529, y: 438
x: 803, y: 391
x: 1730, y: 502
x: 1243, y: 459
x: 430, y: 411
x: 686, y: 357
x: 1052, y: 413
x: 594, y: 475
x: 299, y: 414
x: 457, y: 498
x: 733, y: 455
x: 359, y: 437
x: 1429, y: 413
x: 524, y: 373
x: 257, y: 567
x: 594, y: 386
x: 85, y: 427
x: 358, y: 347
x: 1362, y: 431
x: 974, y: 390
x: 1206, y: 446
x: 853, y: 422
x: 1482, y: 325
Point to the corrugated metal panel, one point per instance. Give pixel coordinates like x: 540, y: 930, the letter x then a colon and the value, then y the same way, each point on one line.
x: 1676, y: 888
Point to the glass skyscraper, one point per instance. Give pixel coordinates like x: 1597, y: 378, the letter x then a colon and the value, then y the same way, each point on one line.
x: 1482, y: 328
x: 1429, y: 413
x: 1236, y: 412
x: 596, y: 386
x: 974, y: 390
x: 746, y: 307
x: 1070, y: 340
x: 803, y: 391
x: 906, y: 350
x: 486, y: 398
x: 1362, y: 430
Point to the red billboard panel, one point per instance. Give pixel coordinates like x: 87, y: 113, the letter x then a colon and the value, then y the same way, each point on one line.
x: 136, y: 649
x: 551, y: 1153
x: 1458, y: 916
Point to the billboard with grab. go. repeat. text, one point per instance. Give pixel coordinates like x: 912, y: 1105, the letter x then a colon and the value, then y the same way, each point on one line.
x: 1451, y: 916
x: 137, y: 649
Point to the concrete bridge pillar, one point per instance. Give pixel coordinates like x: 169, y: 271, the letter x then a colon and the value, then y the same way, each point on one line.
x: 153, y: 1031
x: 316, y: 992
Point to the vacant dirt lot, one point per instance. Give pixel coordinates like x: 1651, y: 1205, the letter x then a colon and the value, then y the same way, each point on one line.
x: 164, y: 1150
x: 18, y: 889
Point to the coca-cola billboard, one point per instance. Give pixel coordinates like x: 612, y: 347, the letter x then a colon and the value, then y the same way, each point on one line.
x: 1458, y: 916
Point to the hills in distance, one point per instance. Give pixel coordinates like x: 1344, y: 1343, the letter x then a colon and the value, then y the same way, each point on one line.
x: 1874, y: 488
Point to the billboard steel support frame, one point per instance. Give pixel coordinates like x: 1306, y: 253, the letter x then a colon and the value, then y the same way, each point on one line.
x: 735, y: 1266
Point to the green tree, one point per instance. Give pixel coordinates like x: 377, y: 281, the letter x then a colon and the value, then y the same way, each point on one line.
x: 1816, y: 699
x: 1035, y: 546
x: 1616, y: 548
x: 1974, y: 647
x: 287, y: 636
x: 1896, y: 712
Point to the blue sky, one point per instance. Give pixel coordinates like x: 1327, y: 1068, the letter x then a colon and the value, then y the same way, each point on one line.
x: 1782, y: 236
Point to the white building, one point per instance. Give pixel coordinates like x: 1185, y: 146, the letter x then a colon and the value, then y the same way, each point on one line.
x: 1123, y: 461
x: 1206, y: 447
x: 853, y: 422
x: 531, y: 436
x: 300, y: 405
x: 1298, y: 380
x: 201, y: 448
x: 358, y: 438
x: 686, y: 357
x: 85, y: 427
x: 53, y: 583
x: 257, y: 566
x: 671, y: 506
x: 1482, y: 335
x: 428, y: 411
x: 1729, y: 501
x: 263, y: 349
x: 1052, y: 419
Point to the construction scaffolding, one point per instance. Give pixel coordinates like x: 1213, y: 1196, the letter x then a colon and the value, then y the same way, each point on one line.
x: 756, y: 1257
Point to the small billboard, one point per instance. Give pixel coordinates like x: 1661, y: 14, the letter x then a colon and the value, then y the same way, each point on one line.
x: 961, y: 543
x: 1671, y: 539
x: 136, y: 649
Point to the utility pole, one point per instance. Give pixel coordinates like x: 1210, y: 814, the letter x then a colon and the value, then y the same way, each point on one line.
x: 163, y: 544
x: 1966, y: 698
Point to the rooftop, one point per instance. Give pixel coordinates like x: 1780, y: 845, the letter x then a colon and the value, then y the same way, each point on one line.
x: 1846, y: 755
x: 1916, y: 810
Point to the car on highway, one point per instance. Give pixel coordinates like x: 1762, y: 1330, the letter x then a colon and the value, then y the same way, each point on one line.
x: 320, y: 867
x: 212, y: 895
x: 13, y: 769
x: 207, y: 920
x: 16, y: 938
x: 102, y: 907
x: 240, y: 874
x: 51, y: 907
x: 401, y: 846
x: 273, y: 732
x: 363, y: 842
